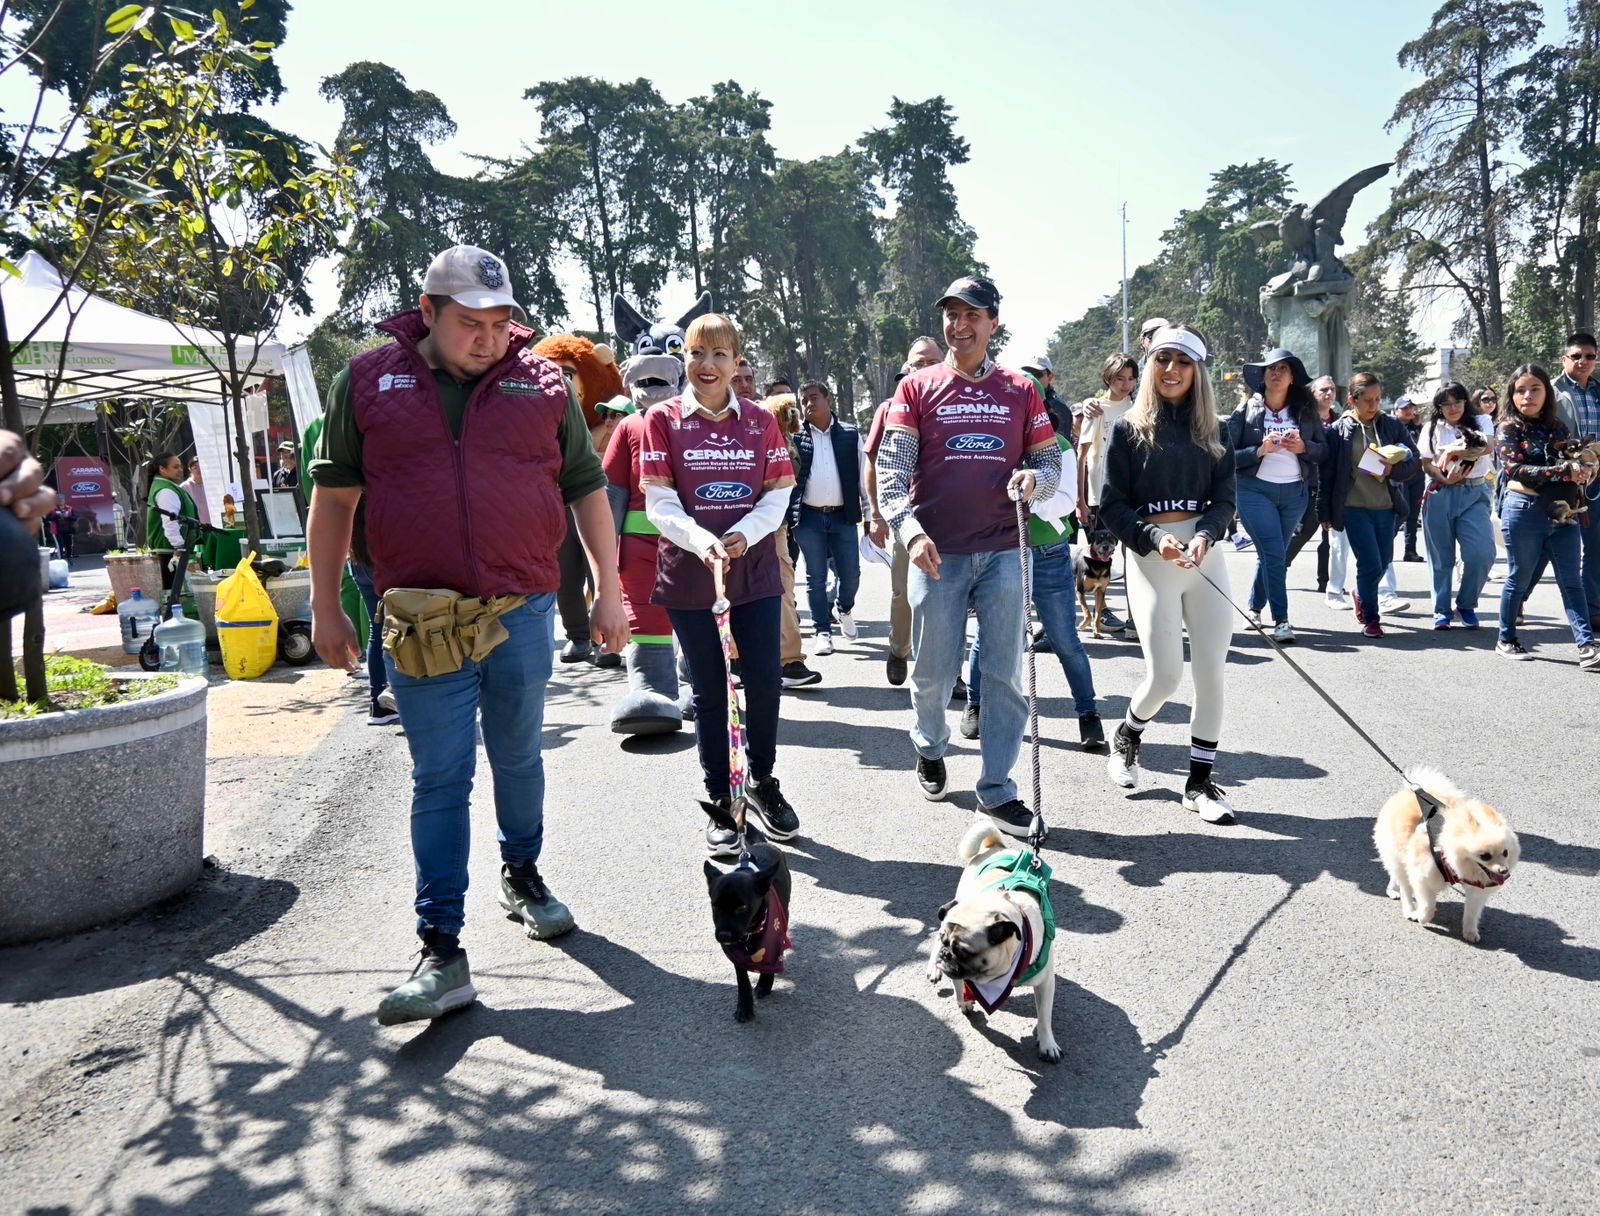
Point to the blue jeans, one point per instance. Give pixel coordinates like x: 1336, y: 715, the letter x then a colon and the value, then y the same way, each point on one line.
x: 440, y: 716
x: 1055, y: 598
x: 992, y: 582
x: 1457, y: 517
x: 825, y: 535
x: 1371, y: 536
x: 1533, y: 539
x: 1271, y: 512
x: 758, y: 632
x: 377, y: 674
x: 1589, y: 527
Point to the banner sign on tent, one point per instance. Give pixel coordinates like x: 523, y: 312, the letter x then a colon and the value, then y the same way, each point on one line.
x: 86, y: 483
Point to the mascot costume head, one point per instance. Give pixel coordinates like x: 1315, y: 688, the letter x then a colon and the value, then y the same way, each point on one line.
x: 652, y: 372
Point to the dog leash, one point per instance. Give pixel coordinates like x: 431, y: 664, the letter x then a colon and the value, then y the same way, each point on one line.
x: 722, y: 610
x: 1037, y: 831
x: 1431, y: 806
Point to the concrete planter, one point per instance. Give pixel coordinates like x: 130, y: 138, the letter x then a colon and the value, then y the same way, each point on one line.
x: 105, y: 811
x: 130, y: 570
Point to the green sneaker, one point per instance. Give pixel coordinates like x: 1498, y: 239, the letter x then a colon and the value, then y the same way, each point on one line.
x: 525, y: 897
x: 441, y: 982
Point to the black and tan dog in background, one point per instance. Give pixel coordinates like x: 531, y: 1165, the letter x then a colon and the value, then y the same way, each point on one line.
x: 1091, y: 568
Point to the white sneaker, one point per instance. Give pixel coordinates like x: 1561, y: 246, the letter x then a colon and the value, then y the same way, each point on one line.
x: 1122, y: 765
x: 848, y: 627
x: 1209, y: 803
x: 1283, y: 633
x: 1392, y: 605
x: 1255, y: 617
x: 824, y: 643
x: 1337, y: 599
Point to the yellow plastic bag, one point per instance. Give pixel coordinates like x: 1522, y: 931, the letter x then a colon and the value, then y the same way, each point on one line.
x: 247, y: 623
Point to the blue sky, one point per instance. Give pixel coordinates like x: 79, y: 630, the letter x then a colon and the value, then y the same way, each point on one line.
x: 1070, y: 108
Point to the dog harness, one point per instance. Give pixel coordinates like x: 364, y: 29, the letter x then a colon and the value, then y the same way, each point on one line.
x: 772, y: 939
x: 1016, y: 871
x: 1431, y: 812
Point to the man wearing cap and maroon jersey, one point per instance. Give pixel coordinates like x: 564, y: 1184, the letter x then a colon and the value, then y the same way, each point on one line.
x: 962, y: 441
x: 468, y: 448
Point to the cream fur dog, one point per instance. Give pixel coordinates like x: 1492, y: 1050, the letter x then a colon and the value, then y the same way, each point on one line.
x: 1477, y: 846
x: 991, y: 936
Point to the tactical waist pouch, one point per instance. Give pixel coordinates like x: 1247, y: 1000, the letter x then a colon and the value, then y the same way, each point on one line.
x: 432, y: 633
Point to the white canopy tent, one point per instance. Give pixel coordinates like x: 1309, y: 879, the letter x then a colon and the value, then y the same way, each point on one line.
x: 83, y: 350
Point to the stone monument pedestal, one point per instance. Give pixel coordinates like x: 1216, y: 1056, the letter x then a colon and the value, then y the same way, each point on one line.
x: 1309, y: 319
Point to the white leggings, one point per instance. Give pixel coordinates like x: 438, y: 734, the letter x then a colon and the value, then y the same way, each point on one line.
x: 1164, y: 598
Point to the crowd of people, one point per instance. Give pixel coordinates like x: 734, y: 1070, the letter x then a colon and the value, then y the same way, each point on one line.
x: 739, y: 491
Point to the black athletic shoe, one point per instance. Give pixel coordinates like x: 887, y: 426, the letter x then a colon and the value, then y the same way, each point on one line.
x: 606, y: 660
x: 773, y: 809
x: 895, y: 669
x: 969, y: 721
x: 959, y: 692
x: 932, y: 778
x: 1013, y: 818
x: 798, y: 675
x: 1091, y: 735
x: 577, y: 650
x: 723, y: 843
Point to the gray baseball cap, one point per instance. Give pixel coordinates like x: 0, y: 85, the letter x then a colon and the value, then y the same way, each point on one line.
x: 473, y: 278
x: 1039, y: 364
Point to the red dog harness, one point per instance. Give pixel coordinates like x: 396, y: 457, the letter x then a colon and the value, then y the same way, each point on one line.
x: 772, y: 939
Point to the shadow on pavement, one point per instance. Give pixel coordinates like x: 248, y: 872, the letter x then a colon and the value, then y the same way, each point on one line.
x: 218, y: 913
x: 683, y: 1109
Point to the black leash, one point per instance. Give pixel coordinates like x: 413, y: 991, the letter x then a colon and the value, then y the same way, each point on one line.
x: 1431, y: 806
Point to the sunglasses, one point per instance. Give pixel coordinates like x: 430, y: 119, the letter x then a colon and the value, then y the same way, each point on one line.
x: 1588, y: 358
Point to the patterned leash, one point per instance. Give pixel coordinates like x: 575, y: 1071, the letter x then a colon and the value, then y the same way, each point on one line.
x: 1037, y: 831
x: 722, y: 610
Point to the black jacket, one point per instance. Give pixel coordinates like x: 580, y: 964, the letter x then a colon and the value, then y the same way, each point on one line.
x: 1175, y: 475
x: 1247, y: 428
x: 1341, y: 457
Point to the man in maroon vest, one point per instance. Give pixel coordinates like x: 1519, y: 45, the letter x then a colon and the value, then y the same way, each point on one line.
x: 468, y: 448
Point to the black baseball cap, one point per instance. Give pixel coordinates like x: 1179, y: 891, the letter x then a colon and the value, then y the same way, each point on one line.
x: 980, y: 293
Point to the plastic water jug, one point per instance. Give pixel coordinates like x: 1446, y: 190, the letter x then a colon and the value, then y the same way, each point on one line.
x: 60, y: 574
x: 182, y: 644
x: 137, y: 616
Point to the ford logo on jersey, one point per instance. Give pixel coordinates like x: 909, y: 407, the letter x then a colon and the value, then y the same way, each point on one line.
x: 723, y: 491
x: 975, y: 443
x: 87, y: 488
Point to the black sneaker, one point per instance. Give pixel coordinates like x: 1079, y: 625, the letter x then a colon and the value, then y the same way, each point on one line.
x: 969, y: 721
x: 605, y: 660
x: 723, y: 843
x: 959, y: 692
x: 1091, y: 735
x: 577, y: 650
x: 895, y: 669
x: 1041, y: 641
x: 1013, y: 818
x: 932, y: 778
x: 1111, y: 621
x: 773, y: 809
x: 798, y: 675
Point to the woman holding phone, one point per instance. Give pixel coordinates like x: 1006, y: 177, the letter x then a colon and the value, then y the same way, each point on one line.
x: 1278, y: 444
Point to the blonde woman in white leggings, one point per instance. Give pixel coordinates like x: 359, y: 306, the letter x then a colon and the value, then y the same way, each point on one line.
x: 1169, y: 496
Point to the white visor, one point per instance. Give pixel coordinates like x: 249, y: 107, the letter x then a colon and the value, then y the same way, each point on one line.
x: 1173, y: 338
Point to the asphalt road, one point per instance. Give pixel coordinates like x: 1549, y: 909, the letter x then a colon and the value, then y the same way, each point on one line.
x: 1249, y: 1026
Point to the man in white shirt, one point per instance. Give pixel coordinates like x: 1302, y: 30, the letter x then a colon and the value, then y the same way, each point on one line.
x: 832, y: 479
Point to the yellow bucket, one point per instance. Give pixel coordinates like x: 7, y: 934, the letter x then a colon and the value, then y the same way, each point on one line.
x: 248, y: 647
x: 247, y: 624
